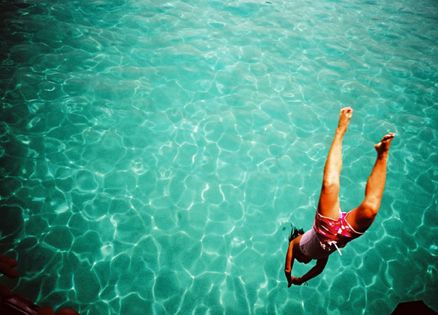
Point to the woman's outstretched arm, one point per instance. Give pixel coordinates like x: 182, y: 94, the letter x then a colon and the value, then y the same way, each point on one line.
x: 289, y: 262
x: 312, y: 273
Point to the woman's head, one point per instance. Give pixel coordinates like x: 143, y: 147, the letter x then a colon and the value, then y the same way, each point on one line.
x: 297, y: 252
x: 294, y: 233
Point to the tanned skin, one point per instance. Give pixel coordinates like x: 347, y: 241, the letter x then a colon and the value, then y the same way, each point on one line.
x: 359, y: 218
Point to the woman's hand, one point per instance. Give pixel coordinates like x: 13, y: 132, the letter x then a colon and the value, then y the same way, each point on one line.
x: 293, y: 280
x: 289, y: 278
x: 296, y: 281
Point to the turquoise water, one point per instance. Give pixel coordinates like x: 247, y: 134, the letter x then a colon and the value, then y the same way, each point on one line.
x: 153, y: 154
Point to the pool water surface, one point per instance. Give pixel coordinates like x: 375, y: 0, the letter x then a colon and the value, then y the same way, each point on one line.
x: 155, y: 153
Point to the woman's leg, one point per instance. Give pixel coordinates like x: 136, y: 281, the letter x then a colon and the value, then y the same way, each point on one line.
x: 329, y: 199
x: 361, y: 217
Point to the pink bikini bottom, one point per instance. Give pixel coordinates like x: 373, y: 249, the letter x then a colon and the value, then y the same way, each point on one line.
x: 327, y: 235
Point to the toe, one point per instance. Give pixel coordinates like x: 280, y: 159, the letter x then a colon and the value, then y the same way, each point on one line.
x: 388, y: 136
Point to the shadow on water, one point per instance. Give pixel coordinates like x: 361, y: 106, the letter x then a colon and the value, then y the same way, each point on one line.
x: 15, y: 156
x: 25, y: 192
x: 12, y: 117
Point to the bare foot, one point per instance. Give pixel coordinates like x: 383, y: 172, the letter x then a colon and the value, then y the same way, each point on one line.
x: 8, y: 260
x: 344, y: 118
x: 383, y: 146
x: 7, y: 266
x: 66, y: 311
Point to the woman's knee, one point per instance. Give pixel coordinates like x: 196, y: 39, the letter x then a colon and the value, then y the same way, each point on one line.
x: 369, y: 208
x: 330, y: 185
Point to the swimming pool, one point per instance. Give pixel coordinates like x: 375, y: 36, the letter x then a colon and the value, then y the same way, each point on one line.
x: 155, y: 153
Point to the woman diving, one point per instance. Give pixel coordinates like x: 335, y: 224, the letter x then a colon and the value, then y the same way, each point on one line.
x: 332, y: 228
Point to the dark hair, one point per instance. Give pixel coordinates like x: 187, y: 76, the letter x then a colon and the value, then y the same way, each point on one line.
x: 295, y: 233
